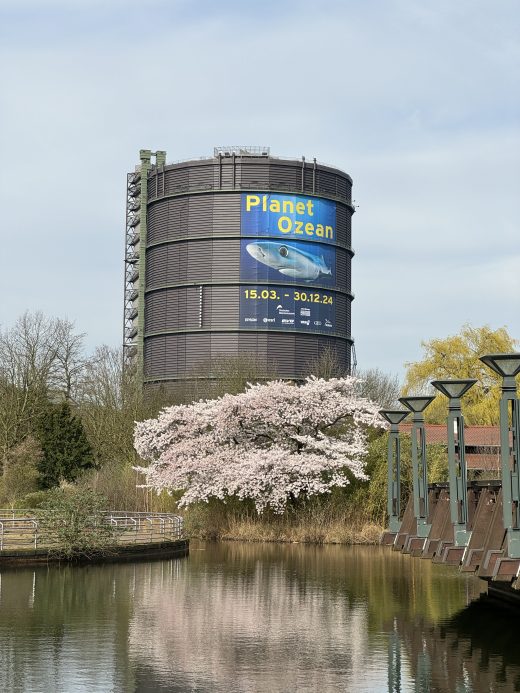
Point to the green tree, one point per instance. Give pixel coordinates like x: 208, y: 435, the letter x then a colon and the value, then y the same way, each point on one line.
x: 66, y: 450
x: 457, y: 356
x: 373, y: 497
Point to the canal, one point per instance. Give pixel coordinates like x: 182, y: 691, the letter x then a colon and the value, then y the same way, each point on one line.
x: 236, y: 617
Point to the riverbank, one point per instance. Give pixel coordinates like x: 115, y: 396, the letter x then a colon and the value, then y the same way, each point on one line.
x: 78, y: 537
x: 310, y: 525
x: 113, y: 554
x: 335, y: 533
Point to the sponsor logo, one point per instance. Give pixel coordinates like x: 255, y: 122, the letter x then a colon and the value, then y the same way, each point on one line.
x: 305, y: 322
x: 269, y: 320
x: 250, y: 319
x: 317, y: 322
x: 287, y: 322
x: 305, y: 311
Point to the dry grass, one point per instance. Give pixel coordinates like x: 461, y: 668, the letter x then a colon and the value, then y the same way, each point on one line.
x: 305, y: 533
x: 314, y: 524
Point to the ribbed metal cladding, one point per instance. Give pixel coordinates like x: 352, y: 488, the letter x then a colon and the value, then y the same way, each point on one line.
x: 184, y: 356
x: 193, y: 253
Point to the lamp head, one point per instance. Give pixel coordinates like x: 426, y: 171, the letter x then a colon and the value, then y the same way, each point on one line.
x: 453, y: 389
x: 417, y: 404
x: 506, y: 365
x: 394, y: 416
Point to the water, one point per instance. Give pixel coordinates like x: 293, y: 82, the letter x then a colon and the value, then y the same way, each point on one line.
x: 238, y: 617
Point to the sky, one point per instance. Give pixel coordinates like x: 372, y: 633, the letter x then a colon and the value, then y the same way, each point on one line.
x: 418, y: 101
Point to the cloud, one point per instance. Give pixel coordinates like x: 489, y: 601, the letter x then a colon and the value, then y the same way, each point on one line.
x: 419, y: 104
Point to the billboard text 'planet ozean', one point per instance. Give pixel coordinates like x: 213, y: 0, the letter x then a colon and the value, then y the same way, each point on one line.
x: 299, y: 253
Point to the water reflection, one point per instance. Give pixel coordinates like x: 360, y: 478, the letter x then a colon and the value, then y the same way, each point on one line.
x: 64, y: 629
x: 249, y: 617
x: 474, y: 650
x: 295, y: 618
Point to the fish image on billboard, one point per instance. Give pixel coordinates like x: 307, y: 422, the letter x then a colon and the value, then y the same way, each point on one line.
x: 289, y: 261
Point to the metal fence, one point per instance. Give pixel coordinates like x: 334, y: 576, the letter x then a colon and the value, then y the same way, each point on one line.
x: 22, y: 529
x: 145, y: 527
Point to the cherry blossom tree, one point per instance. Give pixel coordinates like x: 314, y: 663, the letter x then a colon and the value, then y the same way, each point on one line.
x: 272, y: 443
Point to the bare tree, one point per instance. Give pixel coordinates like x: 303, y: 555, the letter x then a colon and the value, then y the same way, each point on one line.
x: 111, y: 400
x: 70, y: 360
x: 229, y: 374
x: 375, y: 385
x: 380, y: 387
x: 40, y: 361
x: 327, y: 364
x: 108, y: 404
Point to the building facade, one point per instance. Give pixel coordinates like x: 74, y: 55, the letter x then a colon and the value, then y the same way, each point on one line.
x: 238, y: 253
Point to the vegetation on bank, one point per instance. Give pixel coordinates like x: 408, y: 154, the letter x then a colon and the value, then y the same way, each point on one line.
x: 355, y: 514
x: 67, y: 421
x: 75, y: 519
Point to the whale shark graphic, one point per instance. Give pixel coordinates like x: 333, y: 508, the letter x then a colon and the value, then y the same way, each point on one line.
x: 288, y: 260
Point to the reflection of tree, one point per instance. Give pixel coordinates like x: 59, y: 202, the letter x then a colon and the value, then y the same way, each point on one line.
x: 220, y: 626
x: 253, y: 617
x: 64, y: 629
x: 273, y: 618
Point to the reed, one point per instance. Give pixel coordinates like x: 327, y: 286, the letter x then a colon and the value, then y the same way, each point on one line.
x: 321, y: 521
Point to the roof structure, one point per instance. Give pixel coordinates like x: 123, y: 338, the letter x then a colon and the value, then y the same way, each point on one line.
x: 482, y: 443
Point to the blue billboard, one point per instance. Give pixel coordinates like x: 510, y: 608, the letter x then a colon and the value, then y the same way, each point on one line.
x: 293, y: 217
x: 286, y: 308
x: 288, y: 259
x: 294, y: 262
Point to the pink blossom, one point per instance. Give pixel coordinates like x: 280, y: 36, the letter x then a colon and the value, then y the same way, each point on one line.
x: 271, y: 443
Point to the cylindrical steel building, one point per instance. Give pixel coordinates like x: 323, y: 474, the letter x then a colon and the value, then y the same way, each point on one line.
x: 239, y: 253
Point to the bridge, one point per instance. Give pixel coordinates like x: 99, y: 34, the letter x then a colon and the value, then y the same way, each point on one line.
x: 474, y: 525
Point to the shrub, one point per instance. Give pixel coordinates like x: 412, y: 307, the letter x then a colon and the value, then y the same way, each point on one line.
x: 74, y: 520
x: 32, y: 500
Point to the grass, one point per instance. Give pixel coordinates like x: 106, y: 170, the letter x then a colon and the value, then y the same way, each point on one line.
x: 304, y: 532
x: 317, y: 522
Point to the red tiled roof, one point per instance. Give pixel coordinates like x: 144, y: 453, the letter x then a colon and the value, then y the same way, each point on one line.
x: 473, y: 435
x: 485, y: 437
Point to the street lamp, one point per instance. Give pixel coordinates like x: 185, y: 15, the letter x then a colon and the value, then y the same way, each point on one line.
x: 394, y: 418
x: 454, y: 389
x: 417, y: 405
x: 508, y: 366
